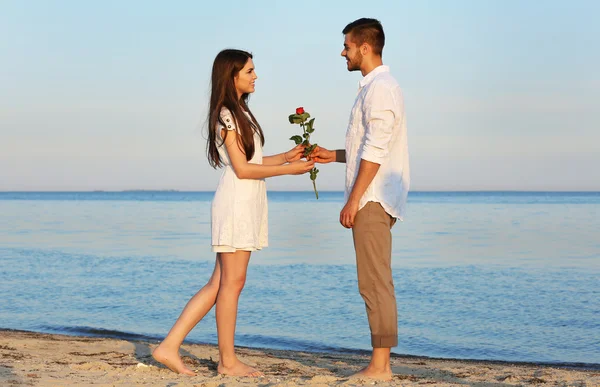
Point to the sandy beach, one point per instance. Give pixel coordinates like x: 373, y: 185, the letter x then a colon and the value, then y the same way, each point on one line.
x: 36, y: 359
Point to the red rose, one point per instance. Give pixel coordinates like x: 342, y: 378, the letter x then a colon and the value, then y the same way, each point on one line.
x: 300, y: 110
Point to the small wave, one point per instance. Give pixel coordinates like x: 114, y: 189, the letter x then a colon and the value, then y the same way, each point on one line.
x: 245, y: 340
x: 261, y: 341
x: 96, y: 332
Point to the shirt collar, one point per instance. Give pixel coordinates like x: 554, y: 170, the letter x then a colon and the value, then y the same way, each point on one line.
x: 369, y: 77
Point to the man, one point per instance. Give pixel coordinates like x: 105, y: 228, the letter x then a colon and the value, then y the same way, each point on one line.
x: 377, y: 182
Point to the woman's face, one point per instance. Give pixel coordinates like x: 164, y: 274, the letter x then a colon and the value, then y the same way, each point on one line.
x: 244, y: 81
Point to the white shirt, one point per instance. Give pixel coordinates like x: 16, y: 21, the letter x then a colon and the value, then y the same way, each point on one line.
x: 377, y: 133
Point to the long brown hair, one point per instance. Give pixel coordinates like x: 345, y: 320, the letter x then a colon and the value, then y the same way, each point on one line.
x: 226, y: 67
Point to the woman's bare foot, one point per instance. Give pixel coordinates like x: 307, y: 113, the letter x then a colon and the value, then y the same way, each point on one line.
x: 172, y: 360
x: 373, y: 373
x: 239, y: 369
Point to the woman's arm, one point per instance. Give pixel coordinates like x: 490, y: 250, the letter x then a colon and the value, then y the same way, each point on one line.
x: 278, y: 159
x: 292, y: 155
x: 245, y: 170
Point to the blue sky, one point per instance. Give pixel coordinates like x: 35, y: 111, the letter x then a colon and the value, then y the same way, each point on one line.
x: 500, y: 95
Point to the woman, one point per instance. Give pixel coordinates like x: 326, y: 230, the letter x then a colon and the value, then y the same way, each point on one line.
x: 239, y: 209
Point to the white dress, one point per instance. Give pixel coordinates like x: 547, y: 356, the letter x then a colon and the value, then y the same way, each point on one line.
x: 239, y: 209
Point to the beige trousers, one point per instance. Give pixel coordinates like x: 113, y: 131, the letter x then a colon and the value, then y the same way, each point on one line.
x: 373, y: 245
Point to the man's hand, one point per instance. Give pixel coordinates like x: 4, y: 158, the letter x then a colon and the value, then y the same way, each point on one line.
x: 348, y: 214
x: 322, y: 155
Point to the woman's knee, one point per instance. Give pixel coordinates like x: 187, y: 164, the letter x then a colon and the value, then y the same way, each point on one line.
x: 233, y: 282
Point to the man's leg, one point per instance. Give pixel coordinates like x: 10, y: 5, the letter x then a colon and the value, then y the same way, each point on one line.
x: 373, y: 245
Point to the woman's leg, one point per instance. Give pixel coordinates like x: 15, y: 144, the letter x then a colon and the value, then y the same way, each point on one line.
x: 197, y: 307
x: 233, y: 278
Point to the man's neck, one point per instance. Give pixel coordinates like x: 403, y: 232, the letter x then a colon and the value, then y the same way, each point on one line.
x: 370, y: 65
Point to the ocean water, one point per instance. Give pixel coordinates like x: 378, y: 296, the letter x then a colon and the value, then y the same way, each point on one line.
x: 489, y: 275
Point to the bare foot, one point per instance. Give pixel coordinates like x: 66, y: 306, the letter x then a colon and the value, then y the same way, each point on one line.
x: 373, y: 373
x: 239, y: 369
x: 172, y: 360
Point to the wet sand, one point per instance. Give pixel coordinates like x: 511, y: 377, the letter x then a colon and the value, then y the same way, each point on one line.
x: 36, y: 359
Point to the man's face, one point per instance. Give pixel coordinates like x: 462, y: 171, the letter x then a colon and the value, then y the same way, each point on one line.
x: 352, y: 54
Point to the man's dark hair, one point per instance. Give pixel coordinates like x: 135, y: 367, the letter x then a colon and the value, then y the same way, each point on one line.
x: 369, y: 31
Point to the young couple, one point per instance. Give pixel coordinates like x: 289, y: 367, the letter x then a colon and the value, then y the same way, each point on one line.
x: 377, y: 182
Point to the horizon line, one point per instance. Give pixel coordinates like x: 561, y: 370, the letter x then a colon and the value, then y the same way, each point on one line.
x: 298, y: 191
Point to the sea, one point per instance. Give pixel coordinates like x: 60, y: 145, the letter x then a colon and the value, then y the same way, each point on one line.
x: 509, y: 276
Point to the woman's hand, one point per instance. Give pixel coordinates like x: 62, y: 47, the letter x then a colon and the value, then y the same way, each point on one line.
x: 300, y: 167
x: 294, y: 154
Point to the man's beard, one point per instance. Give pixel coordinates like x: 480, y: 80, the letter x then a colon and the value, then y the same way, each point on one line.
x: 354, y: 63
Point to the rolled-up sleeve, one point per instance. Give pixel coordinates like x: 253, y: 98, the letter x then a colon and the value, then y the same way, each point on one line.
x: 379, y: 116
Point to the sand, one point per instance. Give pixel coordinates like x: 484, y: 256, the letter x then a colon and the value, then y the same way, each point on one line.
x: 36, y: 359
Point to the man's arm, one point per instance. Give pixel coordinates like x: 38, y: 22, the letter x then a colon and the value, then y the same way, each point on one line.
x: 324, y: 156
x: 340, y: 156
x: 380, y: 123
x: 366, y: 174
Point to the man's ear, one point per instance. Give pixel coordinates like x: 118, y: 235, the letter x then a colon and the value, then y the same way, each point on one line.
x: 365, y: 49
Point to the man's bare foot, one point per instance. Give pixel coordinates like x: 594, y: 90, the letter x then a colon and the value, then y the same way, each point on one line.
x: 373, y: 373
x: 172, y: 360
x: 239, y: 369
